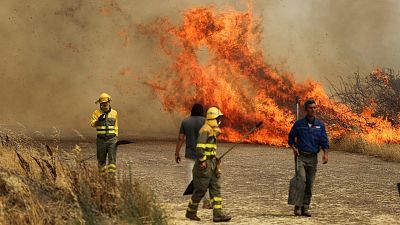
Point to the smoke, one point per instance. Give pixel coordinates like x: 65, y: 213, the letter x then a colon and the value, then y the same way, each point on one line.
x: 58, y: 56
x: 317, y: 39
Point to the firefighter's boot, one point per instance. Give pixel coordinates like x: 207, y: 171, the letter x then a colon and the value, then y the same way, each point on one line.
x: 191, y: 212
x: 297, y: 211
x: 305, y: 211
x: 221, y: 217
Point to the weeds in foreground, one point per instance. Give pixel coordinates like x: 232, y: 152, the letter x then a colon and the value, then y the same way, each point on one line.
x: 38, y: 186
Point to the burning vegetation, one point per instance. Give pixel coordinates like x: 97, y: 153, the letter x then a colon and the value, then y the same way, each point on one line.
x: 380, y: 89
x: 215, y: 59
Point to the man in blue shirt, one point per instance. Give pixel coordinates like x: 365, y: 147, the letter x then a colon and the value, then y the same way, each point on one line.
x: 306, y: 138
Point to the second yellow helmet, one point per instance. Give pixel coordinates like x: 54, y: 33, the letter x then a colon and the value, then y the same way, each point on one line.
x: 213, y: 113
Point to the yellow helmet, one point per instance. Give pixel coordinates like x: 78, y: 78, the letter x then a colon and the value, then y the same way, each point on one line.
x: 104, y: 97
x: 213, y: 113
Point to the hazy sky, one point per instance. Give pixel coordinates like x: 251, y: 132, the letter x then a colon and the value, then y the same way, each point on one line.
x: 57, y: 56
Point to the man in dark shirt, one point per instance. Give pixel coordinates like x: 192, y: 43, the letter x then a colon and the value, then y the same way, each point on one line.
x: 306, y: 138
x: 189, y: 130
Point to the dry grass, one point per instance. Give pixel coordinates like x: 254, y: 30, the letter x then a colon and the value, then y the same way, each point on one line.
x: 388, y: 152
x: 38, y: 186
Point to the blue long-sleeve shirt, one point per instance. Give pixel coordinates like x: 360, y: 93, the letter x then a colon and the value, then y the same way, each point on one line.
x: 309, y: 136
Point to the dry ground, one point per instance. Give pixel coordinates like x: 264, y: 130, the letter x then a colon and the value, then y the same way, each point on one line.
x: 350, y: 189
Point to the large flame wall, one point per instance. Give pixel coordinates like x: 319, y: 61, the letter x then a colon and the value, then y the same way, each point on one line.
x: 216, y: 60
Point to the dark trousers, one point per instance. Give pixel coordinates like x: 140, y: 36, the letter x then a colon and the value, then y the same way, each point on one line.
x: 204, y: 179
x: 106, y: 148
x: 307, y: 170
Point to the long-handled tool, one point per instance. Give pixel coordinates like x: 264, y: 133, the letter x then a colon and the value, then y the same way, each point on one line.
x: 241, y: 139
x: 296, y: 185
x: 190, y: 188
x: 120, y: 142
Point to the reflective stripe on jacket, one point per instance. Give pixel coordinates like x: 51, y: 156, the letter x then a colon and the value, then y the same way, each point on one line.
x: 206, y: 143
x: 107, y: 127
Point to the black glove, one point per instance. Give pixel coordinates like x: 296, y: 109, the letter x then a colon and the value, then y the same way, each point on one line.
x: 102, y: 117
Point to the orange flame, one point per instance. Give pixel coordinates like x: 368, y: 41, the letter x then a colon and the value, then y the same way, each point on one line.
x: 235, y: 78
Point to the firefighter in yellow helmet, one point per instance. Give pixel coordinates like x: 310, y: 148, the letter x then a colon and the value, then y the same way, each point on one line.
x: 205, y: 174
x: 105, y: 120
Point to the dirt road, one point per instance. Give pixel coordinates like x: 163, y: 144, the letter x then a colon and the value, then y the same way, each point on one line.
x: 350, y: 189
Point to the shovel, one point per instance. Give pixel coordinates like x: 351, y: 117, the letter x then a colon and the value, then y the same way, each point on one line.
x: 190, y: 188
x: 296, y: 185
x: 296, y: 188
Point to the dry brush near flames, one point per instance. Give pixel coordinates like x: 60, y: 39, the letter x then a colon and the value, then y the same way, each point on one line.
x: 44, y: 184
x: 215, y: 58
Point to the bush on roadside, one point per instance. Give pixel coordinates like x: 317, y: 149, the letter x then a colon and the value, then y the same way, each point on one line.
x: 40, y: 184
x: 388, y: 152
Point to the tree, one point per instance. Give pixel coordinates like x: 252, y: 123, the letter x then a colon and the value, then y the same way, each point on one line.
x: 380, y: 90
